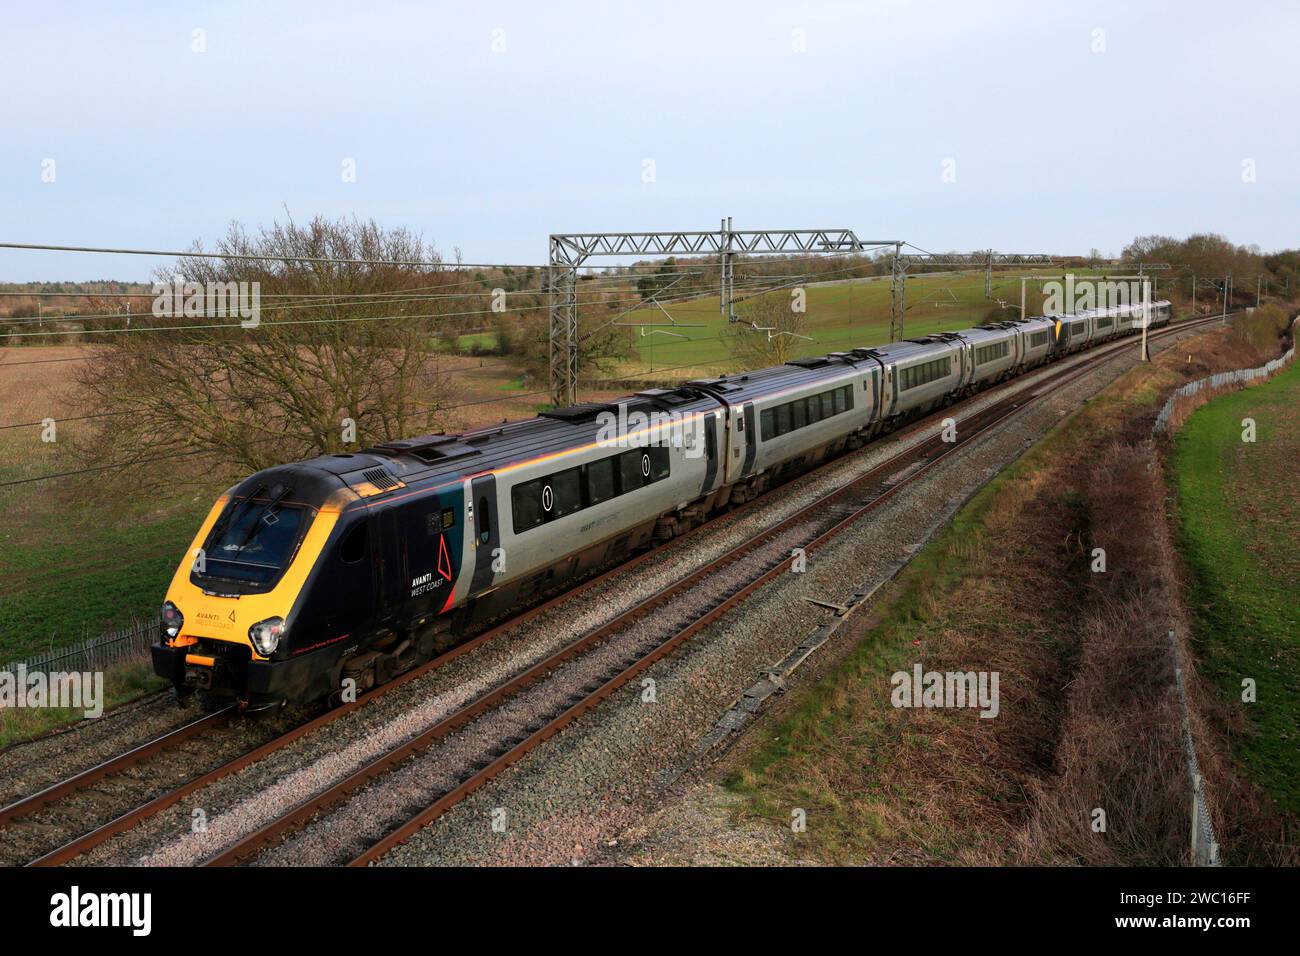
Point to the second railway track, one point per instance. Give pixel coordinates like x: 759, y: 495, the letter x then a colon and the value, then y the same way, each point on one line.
x: 521, y: 713
x: 469, y: 747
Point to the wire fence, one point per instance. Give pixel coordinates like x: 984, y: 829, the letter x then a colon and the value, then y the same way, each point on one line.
x: 126, y: 644
x: 1204, y: 842
x: 1205, y: 845
x: 1197, y: 393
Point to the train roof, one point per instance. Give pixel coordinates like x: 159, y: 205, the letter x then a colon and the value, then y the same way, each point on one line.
x: 440, y: 457
x: 451, y: 457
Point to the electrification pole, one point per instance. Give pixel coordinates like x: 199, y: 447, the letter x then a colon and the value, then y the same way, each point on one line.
x: 568, y: 251
x: 1146, y: 318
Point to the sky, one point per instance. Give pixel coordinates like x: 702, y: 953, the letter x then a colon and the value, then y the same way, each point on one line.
x: 484, y: 127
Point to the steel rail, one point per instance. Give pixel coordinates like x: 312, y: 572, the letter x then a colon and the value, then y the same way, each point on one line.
x: 80, y: 781
x: 986, y: 419
x: 304, y: 811
x: 929, y: 453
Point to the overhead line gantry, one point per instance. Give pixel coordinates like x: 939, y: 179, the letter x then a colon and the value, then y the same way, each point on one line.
x: 568, y: 252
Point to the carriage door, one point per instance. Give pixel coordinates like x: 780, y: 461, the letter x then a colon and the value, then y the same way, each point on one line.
x: 487, y: 530
x: 388, y: 550
x: 711, y: 420
x: 737, y: 438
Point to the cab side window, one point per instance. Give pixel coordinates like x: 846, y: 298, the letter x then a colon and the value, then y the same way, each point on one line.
x: 353, y: 547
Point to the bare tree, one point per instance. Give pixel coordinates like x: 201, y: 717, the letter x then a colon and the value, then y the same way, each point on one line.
x: 340, y: 355
x: 768, y: 331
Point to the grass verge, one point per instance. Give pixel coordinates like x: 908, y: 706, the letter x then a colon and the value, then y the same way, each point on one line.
x: 1088, y: 718
x: 1240, y: 538
x: 122, y: 684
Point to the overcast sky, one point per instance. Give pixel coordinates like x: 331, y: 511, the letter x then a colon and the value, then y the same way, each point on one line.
x: 1027, y: 127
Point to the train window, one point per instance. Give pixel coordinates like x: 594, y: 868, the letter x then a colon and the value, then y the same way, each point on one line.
x: 767, y: 418
x: 798, y: 414
x: 782, y: 419
x: 839, y: 400
x: 629, y: 472
x: 526, y: 505
x: 566, y: 493
x: 814, y: 403
x: 600, y: 481
x: 353, y: 548
x: 484, y: 521
x: 828, y: 404
x: 658, y: 463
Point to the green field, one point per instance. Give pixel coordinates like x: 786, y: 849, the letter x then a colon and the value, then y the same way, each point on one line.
x: 102, y: 565
x: 1241, y: 541
x: 839, y: 316
x: 478, y: 343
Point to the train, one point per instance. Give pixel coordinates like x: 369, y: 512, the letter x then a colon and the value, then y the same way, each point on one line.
x: 324, y: 578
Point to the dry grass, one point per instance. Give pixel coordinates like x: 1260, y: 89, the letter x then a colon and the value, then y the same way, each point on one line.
x: 1119, y: 747
x: 1089, y: 711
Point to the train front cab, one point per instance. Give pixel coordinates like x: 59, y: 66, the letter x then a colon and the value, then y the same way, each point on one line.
x: 356, y: 594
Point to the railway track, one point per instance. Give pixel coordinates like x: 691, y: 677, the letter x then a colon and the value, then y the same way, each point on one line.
x: 587, y: 671
x: 539, y: 702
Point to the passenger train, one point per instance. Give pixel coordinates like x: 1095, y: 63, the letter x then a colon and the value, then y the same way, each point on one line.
x: 348, y: 569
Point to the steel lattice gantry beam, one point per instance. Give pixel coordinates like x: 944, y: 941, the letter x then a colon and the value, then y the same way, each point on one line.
x: 986, y: 259
x: 568, y: 251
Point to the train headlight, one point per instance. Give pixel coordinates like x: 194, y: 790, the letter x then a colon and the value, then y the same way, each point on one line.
x: 172, y: 619
x: 266, y: 635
